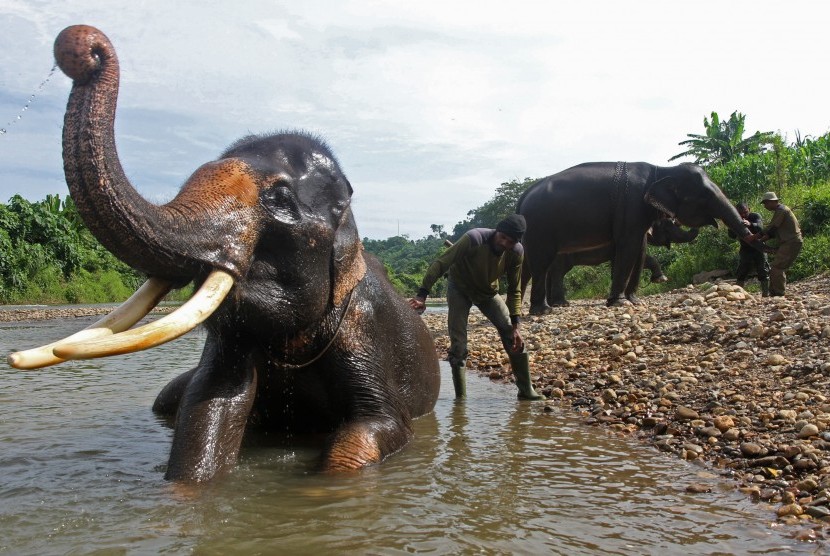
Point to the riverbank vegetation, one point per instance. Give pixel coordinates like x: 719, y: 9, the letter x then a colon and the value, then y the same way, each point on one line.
x: 48, y: 256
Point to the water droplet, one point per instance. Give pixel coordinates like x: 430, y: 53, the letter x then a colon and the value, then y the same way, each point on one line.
x: 40, y: 87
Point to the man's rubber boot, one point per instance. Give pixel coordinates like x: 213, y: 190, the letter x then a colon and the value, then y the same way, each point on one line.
x: 521, y: 370
x: 459, y: 380
x: 764, y: 288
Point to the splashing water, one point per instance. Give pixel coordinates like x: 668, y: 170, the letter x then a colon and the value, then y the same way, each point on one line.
x: 4, y: 130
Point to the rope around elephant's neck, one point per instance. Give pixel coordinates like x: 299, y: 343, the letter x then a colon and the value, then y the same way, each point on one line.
x: 331, y: 341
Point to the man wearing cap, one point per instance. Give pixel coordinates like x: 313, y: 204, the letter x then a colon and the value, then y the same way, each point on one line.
x: 475, y: 262
x: 784, y: 227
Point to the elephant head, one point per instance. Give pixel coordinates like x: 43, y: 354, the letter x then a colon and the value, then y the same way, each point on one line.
x: 665, y: 231
x: 687, y: 194
x: 267, y: 233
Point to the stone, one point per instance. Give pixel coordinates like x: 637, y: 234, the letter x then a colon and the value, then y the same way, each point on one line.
x: 684, y: 413
x: 808, y: 430
x: 750, y: 449
x: 723, y: 422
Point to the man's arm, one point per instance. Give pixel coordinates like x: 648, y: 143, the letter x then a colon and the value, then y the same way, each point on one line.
x: 437, y: 269
x: 514, y: 288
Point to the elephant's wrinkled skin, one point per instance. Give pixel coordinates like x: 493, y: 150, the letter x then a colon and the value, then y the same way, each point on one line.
x: 605, y: 204
x: 311, y: 338
x: 663, y: 233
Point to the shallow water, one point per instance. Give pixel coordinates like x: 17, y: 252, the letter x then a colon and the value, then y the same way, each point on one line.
x: 82, y: 461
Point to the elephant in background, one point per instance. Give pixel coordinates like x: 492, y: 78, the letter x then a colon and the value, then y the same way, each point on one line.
x: 305, y: 334
x: 662, y: 234
x: 608, y: 205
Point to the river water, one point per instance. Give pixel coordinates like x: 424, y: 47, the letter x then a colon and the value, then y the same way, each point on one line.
x: 82, y: 461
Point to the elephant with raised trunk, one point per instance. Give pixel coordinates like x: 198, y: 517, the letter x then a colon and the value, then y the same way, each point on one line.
x: 304, y: 332
x: 608, y: 205
x: 663, y: 233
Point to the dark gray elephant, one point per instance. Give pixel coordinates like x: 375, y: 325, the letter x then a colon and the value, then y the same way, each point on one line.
x: 612, y: 205
x: 663, y: 233
x: 304, y: 332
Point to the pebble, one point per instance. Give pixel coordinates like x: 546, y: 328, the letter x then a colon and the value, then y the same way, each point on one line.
x: 710, y: 373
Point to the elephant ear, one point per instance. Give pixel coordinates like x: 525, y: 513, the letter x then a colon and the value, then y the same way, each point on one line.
x: 348, y: 266
x: 662, y: 196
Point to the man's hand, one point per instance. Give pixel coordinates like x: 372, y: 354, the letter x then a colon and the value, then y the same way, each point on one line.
x: 518, y: 342
x: 418, y: 304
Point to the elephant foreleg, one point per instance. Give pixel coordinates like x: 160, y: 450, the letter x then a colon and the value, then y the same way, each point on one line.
x: 636, y: 272
x: 538, y: 276
x: 561, y: 265
x: 363, y: 442
x: 212, y: 415
x: 167, y: 402
x: 626, y: 269
x: 653, y: 265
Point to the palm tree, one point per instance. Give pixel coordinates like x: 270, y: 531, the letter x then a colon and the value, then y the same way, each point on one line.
x: 723, y: 141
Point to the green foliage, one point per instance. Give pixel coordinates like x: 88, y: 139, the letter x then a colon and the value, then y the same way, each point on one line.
x: 588, y: 282
x: 815, y: 211
x: 48, y: 256
x: 407, y: 260
x: 490, y: 213
x: 805, y: 163
x: 713, y: 249
x: 813, y: 259
x: 724, y: 141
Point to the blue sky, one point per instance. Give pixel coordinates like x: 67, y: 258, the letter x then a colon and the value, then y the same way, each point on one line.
x: 428, y: 105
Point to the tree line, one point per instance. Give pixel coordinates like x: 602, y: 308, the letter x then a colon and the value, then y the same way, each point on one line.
x: 47, y: 255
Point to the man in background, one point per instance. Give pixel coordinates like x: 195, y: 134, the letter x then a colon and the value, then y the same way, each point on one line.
x: 750, y: 258
x: 784, y: 227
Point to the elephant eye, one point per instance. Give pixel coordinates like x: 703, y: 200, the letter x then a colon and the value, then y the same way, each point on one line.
x: 279, y: 200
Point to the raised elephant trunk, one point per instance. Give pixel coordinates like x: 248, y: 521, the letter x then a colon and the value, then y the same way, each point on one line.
x: 162, y: 241
x: 174, y: 243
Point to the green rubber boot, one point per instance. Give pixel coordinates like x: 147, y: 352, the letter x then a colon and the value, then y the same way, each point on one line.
x: 521, y: 370
x: 764, y: 288
x: 459, y: 380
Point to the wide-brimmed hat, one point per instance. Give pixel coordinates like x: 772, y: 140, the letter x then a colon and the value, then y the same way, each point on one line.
x: 769, y: 196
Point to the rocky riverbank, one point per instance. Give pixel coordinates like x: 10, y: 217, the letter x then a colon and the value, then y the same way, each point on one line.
x: 44, y: 313
x: 710, y: 373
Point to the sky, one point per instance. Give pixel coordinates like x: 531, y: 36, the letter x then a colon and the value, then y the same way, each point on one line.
x: 429, y: 106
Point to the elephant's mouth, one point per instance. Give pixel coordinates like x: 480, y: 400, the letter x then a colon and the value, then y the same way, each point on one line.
x: 112, y: 334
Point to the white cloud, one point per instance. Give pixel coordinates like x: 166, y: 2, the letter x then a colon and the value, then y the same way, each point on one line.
x: 430, y: 105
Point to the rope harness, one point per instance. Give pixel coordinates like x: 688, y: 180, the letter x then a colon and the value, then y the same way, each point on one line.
x: 346, y: 307
x: 620, y: 187
x: 286, y: 365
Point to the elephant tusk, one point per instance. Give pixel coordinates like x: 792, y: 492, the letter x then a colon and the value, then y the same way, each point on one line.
x: 122, y: 318
x: 184, y: 319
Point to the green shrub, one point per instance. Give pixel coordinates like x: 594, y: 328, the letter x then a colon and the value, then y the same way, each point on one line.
x: 815, y: 211
x: 813, y: 259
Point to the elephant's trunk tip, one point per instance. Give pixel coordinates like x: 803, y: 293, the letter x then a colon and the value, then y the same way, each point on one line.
x: 81, y: 50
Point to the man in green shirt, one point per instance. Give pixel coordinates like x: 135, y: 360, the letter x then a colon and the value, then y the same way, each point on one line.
x: 784, y: 227
x: 475, y: 262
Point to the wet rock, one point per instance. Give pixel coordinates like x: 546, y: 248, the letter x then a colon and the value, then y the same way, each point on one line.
x: 790, y: 509
x: 698, y: 488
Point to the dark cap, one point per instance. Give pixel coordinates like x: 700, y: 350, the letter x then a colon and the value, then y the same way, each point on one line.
x: 513, y: 226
